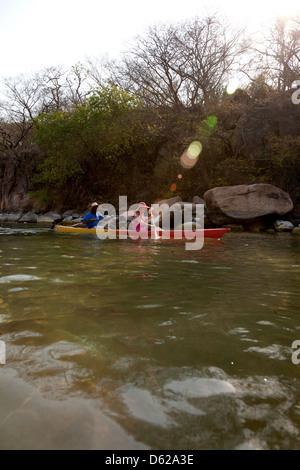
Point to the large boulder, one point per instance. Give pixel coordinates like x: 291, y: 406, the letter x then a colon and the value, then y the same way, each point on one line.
x: 245, y: 203
x: 54, y: 216
x: 29, y: 217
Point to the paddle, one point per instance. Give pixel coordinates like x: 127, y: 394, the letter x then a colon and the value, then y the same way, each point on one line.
x: 107, y: 217
x: 85, y: 222
x: 156, y: 235
x: 79, y: 223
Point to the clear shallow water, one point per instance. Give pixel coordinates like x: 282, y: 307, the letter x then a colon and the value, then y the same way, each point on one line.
x: 144, y: 345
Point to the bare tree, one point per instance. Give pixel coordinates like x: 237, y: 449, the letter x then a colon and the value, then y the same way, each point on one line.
x: 27, y: 96
x: 77, y: 84
x: 98, y: 70
x: 276, y: 57
x: 181, y: 64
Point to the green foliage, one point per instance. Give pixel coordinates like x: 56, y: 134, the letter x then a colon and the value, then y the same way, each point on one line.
x: 93, y: 145
x: 233, y: 171
x: 259, y: 89
x: 283, y: 163
x: 112, y: 145
x: 43, y: 196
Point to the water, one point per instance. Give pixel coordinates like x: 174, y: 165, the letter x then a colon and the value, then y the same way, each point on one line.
x: 144, y: 345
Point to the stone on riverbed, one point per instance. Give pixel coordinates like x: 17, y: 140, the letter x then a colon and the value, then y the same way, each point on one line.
x: 234, y: 227
x: 70, y: 215
x: 44, y: 219
x: 283, y: 226
x: 244, y: 203
x: 296, y: 231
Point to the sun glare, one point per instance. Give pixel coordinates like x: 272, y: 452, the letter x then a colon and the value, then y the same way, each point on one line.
x: 261, y: 12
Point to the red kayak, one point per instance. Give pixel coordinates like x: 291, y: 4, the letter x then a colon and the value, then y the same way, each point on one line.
x: 163, y: 234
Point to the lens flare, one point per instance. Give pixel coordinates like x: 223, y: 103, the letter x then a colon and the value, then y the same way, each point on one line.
x: 173, y: 187
x: 194, y: 149
x: 190, y: 156
x: 232, y: 86
x: 212, y: 121
x: 187, y: 162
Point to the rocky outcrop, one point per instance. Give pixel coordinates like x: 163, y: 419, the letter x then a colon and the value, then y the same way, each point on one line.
x: 279, y: 117
x: 246, y: 203
x: 16, y: 170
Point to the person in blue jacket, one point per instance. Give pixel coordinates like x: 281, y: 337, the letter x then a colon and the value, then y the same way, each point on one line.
x: 92, y: 218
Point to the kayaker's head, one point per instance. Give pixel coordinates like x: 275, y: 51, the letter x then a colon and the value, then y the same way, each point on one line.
x: 94, y: 208
x: 142, y: 208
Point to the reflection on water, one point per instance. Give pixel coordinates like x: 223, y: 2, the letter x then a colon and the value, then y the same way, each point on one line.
x: 121, y: 344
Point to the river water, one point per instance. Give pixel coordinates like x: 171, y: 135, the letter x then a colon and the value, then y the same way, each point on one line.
x: 121, y: 344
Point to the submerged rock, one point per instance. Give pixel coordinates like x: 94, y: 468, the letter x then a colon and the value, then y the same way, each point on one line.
x: 244, y: 203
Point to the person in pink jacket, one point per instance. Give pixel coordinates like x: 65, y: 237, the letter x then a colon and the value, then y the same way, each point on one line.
x: 141, y: 218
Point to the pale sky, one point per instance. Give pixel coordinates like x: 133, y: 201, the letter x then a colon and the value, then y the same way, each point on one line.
x: 39, y: 33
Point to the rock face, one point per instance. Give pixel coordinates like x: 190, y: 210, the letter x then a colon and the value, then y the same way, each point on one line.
x: 15, y: 173
x: 261, y: 120
x: 244, y: 203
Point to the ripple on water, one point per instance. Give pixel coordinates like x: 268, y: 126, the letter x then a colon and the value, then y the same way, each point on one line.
x: 18, y: 277
x: 56, y: 280
x: 144, y: 406
x: 197, y: 387
x: 17, y: 289
x: 275, y: 351
x: 149, y: 306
